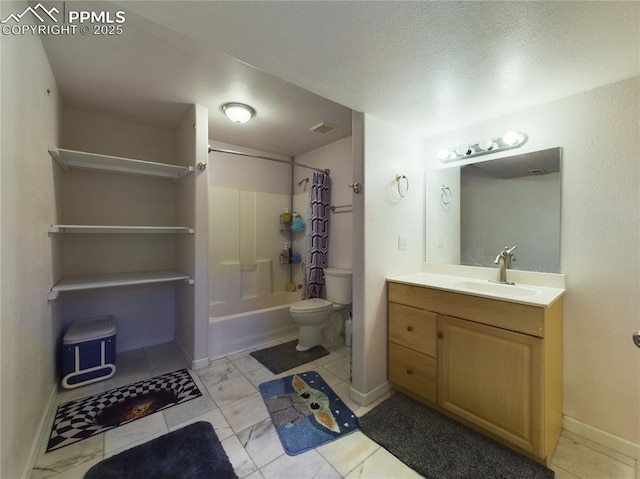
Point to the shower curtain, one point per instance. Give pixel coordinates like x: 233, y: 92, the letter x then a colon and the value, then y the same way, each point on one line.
x: 317, y: 251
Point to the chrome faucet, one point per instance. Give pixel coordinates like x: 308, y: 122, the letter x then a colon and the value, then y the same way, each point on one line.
x: 503, y: 260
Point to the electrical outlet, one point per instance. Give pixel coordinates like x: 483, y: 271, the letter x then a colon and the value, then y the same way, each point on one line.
x: 402, y: 242
x: 440, y: 241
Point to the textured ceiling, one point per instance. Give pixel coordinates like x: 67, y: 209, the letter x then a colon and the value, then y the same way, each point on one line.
x: 430, y: 65
x: 425, y: 66
x: 149, y: 74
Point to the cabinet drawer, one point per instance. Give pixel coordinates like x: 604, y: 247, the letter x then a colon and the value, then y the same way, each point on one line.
x: 413, y: 371
x: 413, y: 328
x: 512, y: 316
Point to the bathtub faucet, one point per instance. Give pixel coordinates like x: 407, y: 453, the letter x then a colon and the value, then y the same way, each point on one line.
x: 503, y: 260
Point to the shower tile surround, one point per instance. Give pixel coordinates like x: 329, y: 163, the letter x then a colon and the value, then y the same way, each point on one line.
x: 248, y: 437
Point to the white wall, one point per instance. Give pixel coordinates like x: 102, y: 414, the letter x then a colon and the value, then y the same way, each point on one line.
x: 30, y: 327
x: 262, y: 188
x: 246, y: 198
x: 246, y: 173
x: 600, y: 233
x: 388, y: 151
x: 192, y: 301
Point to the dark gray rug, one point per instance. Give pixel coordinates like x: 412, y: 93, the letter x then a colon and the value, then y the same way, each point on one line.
x: 283, y: 357
x: 440, y: 448
x: 193, y: 452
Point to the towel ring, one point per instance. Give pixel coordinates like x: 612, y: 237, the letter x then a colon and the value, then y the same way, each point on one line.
x: 399, y: 179
x: 445, y: 195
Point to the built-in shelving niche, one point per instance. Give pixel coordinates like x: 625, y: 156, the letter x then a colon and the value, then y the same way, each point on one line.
x: 70, y: 160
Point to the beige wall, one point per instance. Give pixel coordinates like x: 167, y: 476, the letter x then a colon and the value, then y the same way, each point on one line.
x: 600, y: 233
x: 29, y: 326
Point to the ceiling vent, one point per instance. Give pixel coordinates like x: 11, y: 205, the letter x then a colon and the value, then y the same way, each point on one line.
x: 323, y: 128
x: 537, y: 171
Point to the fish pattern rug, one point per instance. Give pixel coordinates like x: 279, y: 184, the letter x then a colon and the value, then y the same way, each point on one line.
x: 83, y: 418
x: 305, y: 412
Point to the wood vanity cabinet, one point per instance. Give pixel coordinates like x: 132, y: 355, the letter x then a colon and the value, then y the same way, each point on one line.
x: 494, y: 365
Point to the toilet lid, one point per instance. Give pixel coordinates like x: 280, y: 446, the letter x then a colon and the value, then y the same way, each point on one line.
x: 311, y: 305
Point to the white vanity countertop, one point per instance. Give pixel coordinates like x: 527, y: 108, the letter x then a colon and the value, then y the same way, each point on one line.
x: 531, y: 294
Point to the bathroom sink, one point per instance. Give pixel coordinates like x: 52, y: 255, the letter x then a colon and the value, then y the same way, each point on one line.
x: 511, y: 290
x: 522, y: 292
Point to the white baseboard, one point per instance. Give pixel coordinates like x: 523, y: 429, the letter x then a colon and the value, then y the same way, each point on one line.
x: 195, y: 363
x: 143, y: 343
x: 364, y: 399
x: 198, y: 364
x: 40, y: 433
x: 183, y: 350
x: 604, y: 438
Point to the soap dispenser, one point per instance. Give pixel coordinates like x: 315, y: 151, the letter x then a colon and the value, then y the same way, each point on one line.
x: 284, y: 255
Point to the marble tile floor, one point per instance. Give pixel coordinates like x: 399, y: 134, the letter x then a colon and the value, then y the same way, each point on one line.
x: 232, y: 404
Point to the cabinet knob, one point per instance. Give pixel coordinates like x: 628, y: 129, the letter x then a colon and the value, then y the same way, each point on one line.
x: 440, y: 335
x: 409, y: 371
x: 409, y: 328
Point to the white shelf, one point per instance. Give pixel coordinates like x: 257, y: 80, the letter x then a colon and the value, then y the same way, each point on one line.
x: 95, y: 281
x: 70, y: 160
x: 119, y: 229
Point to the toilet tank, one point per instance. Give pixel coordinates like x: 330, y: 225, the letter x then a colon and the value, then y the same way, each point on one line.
x: 337, y: 283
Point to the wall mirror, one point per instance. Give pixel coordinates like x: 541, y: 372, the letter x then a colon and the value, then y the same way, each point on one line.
x: 510, y: 201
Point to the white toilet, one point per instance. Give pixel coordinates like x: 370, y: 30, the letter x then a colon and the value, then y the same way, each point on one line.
x: 311, y: 315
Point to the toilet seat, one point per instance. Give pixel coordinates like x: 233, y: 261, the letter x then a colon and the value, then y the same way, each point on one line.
x: 313, y: 305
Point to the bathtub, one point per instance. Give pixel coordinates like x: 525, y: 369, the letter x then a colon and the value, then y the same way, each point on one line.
x: 232, y: 333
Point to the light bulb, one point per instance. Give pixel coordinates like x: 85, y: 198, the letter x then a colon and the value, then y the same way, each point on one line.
x: 443, y: 154
x: 487, y: 144
x: 511, y: 138
x: 238, y: 112
x: 462, y: 149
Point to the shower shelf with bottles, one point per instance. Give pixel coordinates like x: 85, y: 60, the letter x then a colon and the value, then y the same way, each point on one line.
x: 290, y: 223
x: 79, y: 160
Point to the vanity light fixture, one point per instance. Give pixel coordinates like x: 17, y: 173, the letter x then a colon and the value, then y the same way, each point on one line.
x: 511, y: 139
x: 238, y: 112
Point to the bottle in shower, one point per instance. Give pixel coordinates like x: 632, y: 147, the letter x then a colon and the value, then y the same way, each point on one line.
x: 285, y: 217
x: 284, y: 255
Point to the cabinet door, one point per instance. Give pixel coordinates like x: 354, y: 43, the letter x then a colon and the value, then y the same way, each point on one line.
x: 492, y: 378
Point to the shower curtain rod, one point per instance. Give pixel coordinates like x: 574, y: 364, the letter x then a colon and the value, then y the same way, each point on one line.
x: 231, y: 152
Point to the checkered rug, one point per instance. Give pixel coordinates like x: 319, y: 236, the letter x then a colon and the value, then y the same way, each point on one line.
x: 77, y: 420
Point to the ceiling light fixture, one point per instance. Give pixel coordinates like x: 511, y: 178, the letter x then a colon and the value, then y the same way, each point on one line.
x: 238, y: 112
x: 511, y: 139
